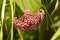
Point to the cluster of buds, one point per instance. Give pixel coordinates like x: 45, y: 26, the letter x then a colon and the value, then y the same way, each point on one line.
x: 28, y: 20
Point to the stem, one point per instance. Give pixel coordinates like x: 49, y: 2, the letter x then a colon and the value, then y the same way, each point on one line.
x: 12, y: 13
x: 12, y: 21
x: 20, y: 34
x: 2, y: 18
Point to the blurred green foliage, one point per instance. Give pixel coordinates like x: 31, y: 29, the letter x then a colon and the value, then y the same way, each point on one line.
x: 47, y: 30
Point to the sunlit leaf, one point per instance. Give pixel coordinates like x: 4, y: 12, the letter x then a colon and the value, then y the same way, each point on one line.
x: 29, y: 4
x: 56, y: 34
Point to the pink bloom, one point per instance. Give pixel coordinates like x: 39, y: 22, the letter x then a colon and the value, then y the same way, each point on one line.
x: 29, y: 22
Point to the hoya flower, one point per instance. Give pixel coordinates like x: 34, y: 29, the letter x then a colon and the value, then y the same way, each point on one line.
x: 29, y: 21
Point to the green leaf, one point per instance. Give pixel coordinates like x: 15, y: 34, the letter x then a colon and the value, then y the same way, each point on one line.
x: 56, y: 6
x: 56, y: 34
x: 29, y: 4
x: 20, y: 4
x: 2, y: 18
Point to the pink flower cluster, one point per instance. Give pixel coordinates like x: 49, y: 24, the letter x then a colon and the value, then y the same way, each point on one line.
x: 29, y: 21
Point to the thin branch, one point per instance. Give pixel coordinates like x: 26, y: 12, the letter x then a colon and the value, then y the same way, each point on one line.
x: 12, y: 15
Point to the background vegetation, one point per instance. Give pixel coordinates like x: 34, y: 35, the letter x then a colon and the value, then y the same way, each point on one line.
x: 49, y: 29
